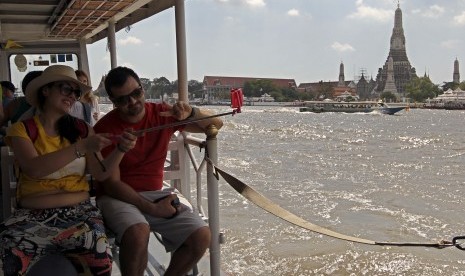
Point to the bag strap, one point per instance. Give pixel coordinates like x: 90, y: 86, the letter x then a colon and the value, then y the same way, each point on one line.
x: 86, y: 109
x: 31, y: 129
x: 33, y: 132
x: 82, y: 127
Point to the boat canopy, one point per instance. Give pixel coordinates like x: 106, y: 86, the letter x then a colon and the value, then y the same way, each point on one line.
x: 41, y: 20
x: 67, y: 26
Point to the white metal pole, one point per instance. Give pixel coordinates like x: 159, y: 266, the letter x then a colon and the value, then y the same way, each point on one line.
x: 112, y: 43
x: 179, y: 12
x: 213, y: 202
x: 84, y: 60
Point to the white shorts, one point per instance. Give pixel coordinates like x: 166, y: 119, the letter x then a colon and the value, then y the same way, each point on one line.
x: 119, y: 216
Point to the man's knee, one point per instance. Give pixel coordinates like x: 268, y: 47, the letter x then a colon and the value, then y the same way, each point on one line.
x: 200, y: 240
x: 136, y: 236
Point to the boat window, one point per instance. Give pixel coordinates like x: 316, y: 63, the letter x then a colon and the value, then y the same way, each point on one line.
x: 21, y: 64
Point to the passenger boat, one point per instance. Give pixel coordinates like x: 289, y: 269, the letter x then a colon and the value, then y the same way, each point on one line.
x: 46, y: 32
x: 450, y: 100
x: 350, y: 107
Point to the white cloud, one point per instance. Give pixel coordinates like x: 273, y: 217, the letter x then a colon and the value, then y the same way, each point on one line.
x: 433, y: 11
x: 342, y: 47
x: 255, y: 3
x: 460, y: 19
x: 450, y: 44
x: 250, y: 3
x: 366, y: 12
x: 130, y: 40
x: 293, y: 12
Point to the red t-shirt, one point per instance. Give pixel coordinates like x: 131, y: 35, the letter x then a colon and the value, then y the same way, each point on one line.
x: 141, y: 167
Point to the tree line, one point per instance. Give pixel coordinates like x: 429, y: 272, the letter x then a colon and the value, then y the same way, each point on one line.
x: 418, y: 89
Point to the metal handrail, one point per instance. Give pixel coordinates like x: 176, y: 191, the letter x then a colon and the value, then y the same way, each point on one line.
x: 211, y: 150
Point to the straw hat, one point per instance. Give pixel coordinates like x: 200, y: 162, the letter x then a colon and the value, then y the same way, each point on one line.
x: 51, y: 74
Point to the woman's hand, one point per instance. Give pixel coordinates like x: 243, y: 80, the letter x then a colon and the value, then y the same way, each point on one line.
x: 94, y: 143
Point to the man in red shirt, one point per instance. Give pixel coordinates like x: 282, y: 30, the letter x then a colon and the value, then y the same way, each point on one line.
x: 131, y: 203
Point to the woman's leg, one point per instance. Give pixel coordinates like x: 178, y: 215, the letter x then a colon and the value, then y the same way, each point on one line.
x: 53, y: 265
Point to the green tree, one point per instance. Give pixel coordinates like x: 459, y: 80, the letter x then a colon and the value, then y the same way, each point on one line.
x: 325, y: 90
x: 420, y: 89
x: 388, y: 96
x: 173, y: 88
x: 160, y: 87
x: 256, y: 88
x: 449, y: 85
x: 462, y: 85
x: 195, y: 88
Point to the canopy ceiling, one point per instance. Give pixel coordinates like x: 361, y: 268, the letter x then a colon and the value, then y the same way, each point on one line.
x: 42, y: 20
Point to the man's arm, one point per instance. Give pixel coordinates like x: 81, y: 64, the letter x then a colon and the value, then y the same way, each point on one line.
x: 183, y: 111
x: 201, y: 126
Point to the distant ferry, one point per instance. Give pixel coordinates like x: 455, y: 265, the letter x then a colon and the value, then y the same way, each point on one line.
x: 349, y: 107
x: 450, y: 99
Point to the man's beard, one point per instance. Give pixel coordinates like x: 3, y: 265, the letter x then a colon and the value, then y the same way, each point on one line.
x: 134, y: 110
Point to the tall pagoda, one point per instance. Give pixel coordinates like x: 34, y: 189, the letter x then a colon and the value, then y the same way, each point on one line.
x: 397, y: 71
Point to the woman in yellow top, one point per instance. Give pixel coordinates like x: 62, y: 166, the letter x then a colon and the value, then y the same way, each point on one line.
x: 54, y: 151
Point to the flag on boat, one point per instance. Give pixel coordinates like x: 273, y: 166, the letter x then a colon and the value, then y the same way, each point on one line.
x: 11, y: 44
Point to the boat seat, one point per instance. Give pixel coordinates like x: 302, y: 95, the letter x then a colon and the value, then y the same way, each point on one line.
x: 175, y: 173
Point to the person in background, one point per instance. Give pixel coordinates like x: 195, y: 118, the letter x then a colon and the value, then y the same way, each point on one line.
x: 54, y: 150
x: 89, y: 100
x: 13, y: 111
x: 8, y: 89
x: 134, y: 201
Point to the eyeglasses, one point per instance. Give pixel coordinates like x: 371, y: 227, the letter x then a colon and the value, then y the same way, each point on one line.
x: 67, y: 90
x: 124, y: 100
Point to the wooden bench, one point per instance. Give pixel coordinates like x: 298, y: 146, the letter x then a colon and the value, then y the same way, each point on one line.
x: 176, y: 172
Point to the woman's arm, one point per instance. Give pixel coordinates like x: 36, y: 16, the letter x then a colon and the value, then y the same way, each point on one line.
x: 38, y: 166
x: 102, y: 168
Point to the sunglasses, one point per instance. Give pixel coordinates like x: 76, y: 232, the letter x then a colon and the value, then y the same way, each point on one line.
x: 124, y: 100
x: 67, y: 90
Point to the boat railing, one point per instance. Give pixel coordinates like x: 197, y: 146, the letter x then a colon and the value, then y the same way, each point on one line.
x: 183, y: 163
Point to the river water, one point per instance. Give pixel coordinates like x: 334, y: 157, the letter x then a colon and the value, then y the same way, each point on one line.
x: 380, y: 177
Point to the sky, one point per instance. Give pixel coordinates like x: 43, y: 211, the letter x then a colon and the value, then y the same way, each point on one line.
x: 305, y: 40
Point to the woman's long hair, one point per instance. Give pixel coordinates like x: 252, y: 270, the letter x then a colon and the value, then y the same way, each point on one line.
x: 66, y: 126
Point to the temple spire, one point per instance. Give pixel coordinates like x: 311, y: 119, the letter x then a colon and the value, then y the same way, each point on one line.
x: 397, y: 70
x: 456, y: 76
x: 341, y: 75
x: 390, y: 82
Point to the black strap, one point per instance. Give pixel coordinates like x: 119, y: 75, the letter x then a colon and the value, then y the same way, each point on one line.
x: 86, y: 109
x: 271, y: 207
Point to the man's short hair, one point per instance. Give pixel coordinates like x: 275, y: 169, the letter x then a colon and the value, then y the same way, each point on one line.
x: 117, y: 77
x: 8, y: 85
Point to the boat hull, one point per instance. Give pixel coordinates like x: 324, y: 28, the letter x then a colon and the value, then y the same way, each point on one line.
x: 352, y: 107
x: 391, y: 110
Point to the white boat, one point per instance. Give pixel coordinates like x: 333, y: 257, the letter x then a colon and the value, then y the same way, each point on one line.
x: 450, y: 99
x: 43, y: 32
x: 350, y: 107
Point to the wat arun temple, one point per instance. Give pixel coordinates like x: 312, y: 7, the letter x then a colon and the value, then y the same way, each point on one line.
x: 397, y: 70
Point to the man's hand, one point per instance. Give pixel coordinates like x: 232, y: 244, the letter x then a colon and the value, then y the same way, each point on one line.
x: 180, y: 111
x: 127, y: 141
x: 166, y: 207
